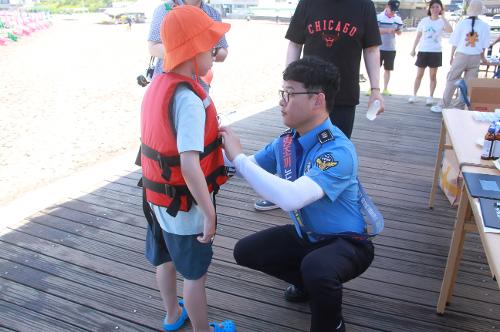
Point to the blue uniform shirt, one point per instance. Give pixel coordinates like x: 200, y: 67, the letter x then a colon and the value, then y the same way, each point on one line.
x: 333, y: 166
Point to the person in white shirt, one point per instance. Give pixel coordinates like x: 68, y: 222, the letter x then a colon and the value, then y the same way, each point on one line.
x: 390, y: 25
x: 469, y: 40
x: 429, y: 32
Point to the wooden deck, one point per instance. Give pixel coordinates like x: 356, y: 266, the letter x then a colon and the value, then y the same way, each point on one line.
x: 79, y: 265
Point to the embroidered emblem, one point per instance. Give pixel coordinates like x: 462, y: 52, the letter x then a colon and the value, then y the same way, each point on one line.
x: 326, y: 161
x: 471, y: 39
x: 325, y: 136
x: 330, y: 39
x: 307, y: 167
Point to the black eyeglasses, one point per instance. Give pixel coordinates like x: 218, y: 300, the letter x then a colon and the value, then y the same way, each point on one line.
x: 285, y: 95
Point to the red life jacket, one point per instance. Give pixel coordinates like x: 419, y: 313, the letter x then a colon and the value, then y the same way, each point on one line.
x: 161, y: 173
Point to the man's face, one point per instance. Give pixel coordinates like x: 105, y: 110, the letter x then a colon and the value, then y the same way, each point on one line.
x: 297, y: 110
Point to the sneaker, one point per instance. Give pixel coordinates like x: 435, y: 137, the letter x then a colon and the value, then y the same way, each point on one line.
x: 436, y: 109
x: 429, y: 101
x: 264, y: 205
x: 412, y: 99
x: 386, y: 93
x: 295, y: 294
x: 362, y: 78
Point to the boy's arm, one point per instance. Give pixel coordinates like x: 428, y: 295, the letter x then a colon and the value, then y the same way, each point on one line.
x: 195, y: 180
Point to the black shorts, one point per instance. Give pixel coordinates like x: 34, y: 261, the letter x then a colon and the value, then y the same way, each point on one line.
x: 387, y: 59
x: 429, y: 59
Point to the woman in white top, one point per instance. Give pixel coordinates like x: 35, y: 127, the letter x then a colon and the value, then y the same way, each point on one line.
x: 469, y: 40
x: 429, y: 32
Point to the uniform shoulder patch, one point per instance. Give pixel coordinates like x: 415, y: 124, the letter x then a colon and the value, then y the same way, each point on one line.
x: 289, y: 131
x: 326, y: 161
x: 325, y: 136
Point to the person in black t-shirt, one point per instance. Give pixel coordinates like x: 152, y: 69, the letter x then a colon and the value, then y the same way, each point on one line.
x: 339, y: 31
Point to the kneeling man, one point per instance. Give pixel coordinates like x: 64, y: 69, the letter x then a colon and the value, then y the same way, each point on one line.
x: 317, y: 166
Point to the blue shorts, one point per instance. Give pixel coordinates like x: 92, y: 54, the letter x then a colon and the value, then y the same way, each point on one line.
x: 191, y: 258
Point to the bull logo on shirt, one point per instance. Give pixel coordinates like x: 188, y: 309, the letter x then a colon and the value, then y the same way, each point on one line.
x: 326, y: 161
x: 330, y: 39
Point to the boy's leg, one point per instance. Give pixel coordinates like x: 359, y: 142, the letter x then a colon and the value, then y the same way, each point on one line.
x: 324, y: 270
x: 167, y: 284
x: 195, y: 300
x: 159, y: 256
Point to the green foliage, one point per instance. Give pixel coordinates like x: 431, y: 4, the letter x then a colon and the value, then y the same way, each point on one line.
x: 67, y: 6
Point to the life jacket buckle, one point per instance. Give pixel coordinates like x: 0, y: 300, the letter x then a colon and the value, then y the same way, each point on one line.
x: 165, y: 169
x: 170, y: 191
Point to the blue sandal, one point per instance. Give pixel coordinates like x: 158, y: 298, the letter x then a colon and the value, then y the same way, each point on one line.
x: 225, y: 326
x: 179, y: 322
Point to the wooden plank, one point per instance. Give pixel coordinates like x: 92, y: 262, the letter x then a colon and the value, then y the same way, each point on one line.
x: 81, y: 256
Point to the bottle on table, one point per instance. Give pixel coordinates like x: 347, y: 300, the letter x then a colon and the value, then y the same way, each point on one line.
x: 496, y: 148
x: 489, y: 143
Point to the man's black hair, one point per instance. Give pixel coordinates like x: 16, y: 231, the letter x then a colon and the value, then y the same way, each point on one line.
x: 316, y: 75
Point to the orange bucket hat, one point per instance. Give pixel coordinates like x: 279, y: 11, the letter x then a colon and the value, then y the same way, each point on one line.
x: 187, y: 31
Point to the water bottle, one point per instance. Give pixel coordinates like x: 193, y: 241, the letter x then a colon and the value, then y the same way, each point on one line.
x: 371, y: 114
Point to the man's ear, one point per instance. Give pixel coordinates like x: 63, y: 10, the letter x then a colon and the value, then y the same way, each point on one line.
x: 320, y: 99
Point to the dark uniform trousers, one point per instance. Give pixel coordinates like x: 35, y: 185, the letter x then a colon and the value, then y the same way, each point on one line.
x: 319, y: 268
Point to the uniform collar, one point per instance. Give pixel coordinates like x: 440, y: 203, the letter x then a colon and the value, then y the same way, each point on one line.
x: 310, y: 139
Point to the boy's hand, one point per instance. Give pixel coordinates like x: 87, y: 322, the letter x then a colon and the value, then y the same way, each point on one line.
x: 208, y: 230
x: 231, y: 142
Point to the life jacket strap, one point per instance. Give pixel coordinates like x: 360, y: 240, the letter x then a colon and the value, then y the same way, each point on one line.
x: 165, y: 162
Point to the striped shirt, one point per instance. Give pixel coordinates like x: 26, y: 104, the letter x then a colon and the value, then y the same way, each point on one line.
x: 154, y: 32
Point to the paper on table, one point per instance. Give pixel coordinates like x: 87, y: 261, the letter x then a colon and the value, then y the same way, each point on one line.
x: 486, y: 229
x: 486, y: 116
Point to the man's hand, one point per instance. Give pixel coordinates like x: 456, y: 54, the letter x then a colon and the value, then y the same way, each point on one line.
x: 412, y: 53
x: 231, y: 142
x: 374, y: 96
x: 208, y: 230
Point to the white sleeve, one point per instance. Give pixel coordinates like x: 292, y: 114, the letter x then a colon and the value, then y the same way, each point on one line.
x: 230, y: 165
x: 286, y: 194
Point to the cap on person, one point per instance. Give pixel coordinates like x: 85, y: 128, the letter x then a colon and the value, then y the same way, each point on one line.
x: 475, y: 8
x: 393, y: 5
x: 187, y: 31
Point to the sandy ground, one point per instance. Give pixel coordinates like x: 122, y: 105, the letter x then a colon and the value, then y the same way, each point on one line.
x: 69, y: 97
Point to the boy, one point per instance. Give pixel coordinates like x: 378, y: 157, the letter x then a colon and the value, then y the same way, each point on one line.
x: 317, y: 183
x: 182, y: 163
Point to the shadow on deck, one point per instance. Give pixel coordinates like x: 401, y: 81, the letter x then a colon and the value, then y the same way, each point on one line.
x: 79, y: 265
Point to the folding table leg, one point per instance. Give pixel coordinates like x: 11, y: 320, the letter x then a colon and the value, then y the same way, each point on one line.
x: 437, y: 167
x: 455, y: 253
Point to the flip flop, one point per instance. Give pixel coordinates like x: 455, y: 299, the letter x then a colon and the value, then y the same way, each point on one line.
x: 179, y: 322
x: 225, y: 326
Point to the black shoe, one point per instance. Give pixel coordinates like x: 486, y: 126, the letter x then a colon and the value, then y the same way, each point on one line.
x: 295, y: 294
x: 340, y: 327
